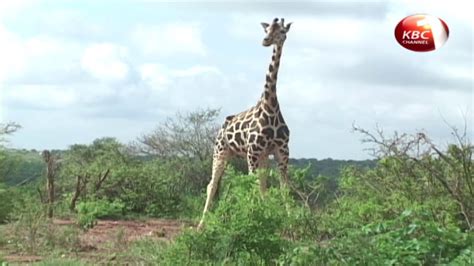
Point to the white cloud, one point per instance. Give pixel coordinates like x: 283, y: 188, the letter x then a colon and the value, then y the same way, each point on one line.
x: 454, y: 10
x: 73, y: 24
x: 11, y: 8
x: 334, y: 31
x: 169, y: 39
x: 12, y: 54
x: 106, y: 62
x: 46, y: 46
x: 341, y: 63
x: 195, y: 71
x: 246, y: 26
x: 306, y: 29
x: 23, y: 57
x: 159, y: 76
x: 155, y: 75
x: 42, y: 96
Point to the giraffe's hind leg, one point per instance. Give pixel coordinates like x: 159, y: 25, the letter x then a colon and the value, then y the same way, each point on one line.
x: 282, y: 155
x: 252, y: 161
x: 258, y: 164
x: 263, y: 174
x: 218, y: 166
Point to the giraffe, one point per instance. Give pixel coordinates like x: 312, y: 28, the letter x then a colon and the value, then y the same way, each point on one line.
x: 258, y: 132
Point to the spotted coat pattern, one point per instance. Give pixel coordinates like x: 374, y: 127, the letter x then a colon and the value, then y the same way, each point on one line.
x: 258, y: 132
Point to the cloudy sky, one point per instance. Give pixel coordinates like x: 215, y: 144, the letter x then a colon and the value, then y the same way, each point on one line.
x: 73, y: 71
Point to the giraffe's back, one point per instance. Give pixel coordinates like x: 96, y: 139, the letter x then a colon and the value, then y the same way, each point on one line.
x: 253, y: 128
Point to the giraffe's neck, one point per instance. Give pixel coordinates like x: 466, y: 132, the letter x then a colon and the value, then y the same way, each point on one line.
x: 269, y: 96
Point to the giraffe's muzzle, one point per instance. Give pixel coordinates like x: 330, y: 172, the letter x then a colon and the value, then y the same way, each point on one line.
x: 266, y: 42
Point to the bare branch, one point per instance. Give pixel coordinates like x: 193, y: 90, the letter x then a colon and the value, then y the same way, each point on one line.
x: 7, y: 129
x: 189, y: 135
x: 451, y: 169
x: 101, y: 179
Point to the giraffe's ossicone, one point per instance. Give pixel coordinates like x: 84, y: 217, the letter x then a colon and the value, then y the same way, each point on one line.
x: 258, y: 132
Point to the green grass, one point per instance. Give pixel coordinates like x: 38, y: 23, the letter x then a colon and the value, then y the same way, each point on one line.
x: 60, y: 262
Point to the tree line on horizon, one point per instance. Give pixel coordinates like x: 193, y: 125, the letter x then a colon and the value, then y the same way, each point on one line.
x: 413, y: 204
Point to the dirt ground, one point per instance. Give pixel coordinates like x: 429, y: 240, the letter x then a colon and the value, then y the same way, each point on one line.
x: 105, y: 237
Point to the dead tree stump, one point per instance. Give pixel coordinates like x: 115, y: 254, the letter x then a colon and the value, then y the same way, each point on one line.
x: 51, y: 167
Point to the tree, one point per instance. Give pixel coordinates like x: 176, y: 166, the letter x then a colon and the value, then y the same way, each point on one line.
x: 51, y: 169
x: 91, y: 165
x: 189, y: 135
x: 186, y: 140
x: 5, y: 130
x: 419, y: 160
x: 5, y: 197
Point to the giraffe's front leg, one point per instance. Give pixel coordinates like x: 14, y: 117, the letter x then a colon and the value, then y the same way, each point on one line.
x: 218, y: 166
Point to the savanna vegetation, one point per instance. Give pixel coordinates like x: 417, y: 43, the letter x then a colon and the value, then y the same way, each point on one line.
x: 412, y: 205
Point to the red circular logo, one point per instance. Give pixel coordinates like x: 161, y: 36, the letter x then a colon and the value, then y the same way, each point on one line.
x: 421, y: 33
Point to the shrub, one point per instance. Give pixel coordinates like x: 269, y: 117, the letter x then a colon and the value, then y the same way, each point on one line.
x: 64, y: 237
x: 465, y: 257
x: 157, y: 189
x: 300, y: 254
x: 30, y: 223
x: 410, y: 239
x: 6, y: 203
x: 244, y: 228
x: 89, y: 211
x: 387, y: 216
x: 244, y: 224
x: 148, y: 251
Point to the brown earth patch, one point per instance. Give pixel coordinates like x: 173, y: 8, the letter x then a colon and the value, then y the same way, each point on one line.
x: 107, y: 238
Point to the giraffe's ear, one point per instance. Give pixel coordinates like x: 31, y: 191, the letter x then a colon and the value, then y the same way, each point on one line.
x: 265, y: 26
x: 287, y: 27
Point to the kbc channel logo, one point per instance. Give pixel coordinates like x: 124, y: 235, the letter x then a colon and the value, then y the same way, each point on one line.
x: 421, y: 33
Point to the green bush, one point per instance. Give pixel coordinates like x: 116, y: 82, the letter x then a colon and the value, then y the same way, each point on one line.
x: 89, y: 211
x: 65, y: 237
x: 386, y: 216
x: 410, y: 239
x: 30, y: 223
x: 244, y: 224
x: 244, y: 228
x: 148, y: 252
x: 465, y: 257
x: 158, y: 189
x: 302, y: 253
x: 6, y: 203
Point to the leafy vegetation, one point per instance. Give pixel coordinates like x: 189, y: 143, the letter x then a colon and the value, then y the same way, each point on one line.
x: 6, y: 204
x: 20, y: 166
x: 412, y: 205
x: 89, y: 211
x: 329, y: 167
x: 245, y: 228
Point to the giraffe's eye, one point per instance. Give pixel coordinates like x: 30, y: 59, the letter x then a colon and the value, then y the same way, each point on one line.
x: 282, y: 31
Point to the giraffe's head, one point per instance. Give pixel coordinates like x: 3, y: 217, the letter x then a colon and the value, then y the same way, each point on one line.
x: 276, y: 32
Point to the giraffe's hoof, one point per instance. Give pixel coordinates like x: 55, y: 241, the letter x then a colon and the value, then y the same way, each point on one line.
x: 200, y: 226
